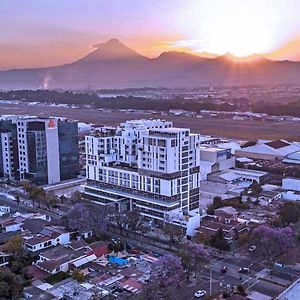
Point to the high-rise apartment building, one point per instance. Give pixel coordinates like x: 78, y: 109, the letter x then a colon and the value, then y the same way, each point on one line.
x: 43, y: 150
x: 146, y: 165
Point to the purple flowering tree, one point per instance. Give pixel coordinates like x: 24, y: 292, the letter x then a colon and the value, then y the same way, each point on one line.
x: 168, y: 271
x: 191, y: 256
x: 272, y: 240
x: 88, y: 217
x: 198, y: 250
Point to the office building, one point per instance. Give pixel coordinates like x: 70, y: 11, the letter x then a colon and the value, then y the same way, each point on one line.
x: 43, y: 150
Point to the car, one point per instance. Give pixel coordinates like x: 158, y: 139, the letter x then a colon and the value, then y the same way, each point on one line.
x: 244, y: 270
x: 252, y: 248
x: 200, y: 294
x: 224, y: 269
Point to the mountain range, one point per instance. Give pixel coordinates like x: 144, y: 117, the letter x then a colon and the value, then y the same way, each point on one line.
x: 114, y: 65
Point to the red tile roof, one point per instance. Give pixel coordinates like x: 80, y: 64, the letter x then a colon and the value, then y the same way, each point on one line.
x: 49, y: 265
x: 36, y: 272
x: 132, y: 285
x: 99, y: 250
x: 37, y: 240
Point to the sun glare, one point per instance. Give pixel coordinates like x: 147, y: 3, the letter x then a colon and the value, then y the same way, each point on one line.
x: 241, y: 36
x: 231, y: 27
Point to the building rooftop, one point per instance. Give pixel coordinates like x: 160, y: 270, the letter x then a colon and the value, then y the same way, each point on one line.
x: 37, y: 294
x: 57, y: 252
x: 35, y: 225
x: 277, y: 144
x: 291, y: 293
x: 73, y: 289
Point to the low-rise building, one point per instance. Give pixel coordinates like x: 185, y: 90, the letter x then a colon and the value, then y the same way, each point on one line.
x: 48, y: 237
x: 214, y: 159
x: 225, y: 218
x: 269, y: 150
x: 240, y: 175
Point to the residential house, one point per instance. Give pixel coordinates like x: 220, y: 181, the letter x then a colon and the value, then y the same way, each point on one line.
x: 48, y: 237
x: 225, y: 218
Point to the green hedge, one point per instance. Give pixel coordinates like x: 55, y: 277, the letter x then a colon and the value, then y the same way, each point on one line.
x: 55, y: 278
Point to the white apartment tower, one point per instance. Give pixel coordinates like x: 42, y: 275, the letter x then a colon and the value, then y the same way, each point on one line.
x: 146, y: 165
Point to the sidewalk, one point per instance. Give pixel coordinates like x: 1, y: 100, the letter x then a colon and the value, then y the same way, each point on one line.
x: 265, y: 275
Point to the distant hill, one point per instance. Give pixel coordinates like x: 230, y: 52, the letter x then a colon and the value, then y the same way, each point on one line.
x: 114, y: 65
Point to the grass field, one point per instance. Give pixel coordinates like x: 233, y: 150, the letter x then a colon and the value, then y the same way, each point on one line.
x: 243, y: 130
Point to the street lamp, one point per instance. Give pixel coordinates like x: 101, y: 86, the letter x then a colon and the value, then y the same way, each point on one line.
x: 210, y: 280
x: 249, y: 274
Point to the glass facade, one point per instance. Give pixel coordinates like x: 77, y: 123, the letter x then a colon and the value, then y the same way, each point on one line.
x: 68, y: 150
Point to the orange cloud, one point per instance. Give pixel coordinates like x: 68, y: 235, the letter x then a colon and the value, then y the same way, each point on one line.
x: 289, y: 51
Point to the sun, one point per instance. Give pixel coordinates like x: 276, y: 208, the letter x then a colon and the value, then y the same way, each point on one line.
x: 229, y: 27
x: 241, y: 35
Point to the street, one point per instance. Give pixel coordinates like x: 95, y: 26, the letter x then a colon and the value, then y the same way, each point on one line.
x: 220, y: 281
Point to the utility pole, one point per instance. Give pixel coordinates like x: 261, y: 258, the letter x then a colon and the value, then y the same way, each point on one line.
x: 210, y: 281
x: 249, y: 275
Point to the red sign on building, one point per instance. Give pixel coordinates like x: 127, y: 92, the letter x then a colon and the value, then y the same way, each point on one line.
x: 51, y: 124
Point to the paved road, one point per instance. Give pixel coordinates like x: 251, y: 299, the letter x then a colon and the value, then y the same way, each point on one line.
x: 25, y: 207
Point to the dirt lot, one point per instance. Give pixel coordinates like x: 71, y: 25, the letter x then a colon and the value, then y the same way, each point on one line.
x: 243, y: 130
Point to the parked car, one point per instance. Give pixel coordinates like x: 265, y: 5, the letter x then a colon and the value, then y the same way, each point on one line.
x: 244, y: 270
x: 200, y: 294
x: 252, y: 248
x: 224, y: 269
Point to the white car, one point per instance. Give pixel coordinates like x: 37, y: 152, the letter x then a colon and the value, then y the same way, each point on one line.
x: 200, y: 294
x: 252, y: 248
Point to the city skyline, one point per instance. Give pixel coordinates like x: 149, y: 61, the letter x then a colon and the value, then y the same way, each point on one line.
x: 52, y: 33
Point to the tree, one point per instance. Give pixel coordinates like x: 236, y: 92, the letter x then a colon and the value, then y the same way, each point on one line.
x: 210, y: 209
x: 76, y: 197
x: 87, y: 216
x: 18, y: 200
x: 26, y: 185
x: 255, y: 187
x: 14, y: 245
x: 174, y: 233
x: 289, y: 213
x: 78, y: 275
x: 217, y: 202
x: 116, y: 245
x: 129, y: 220
x: 49, y: 200
x: 20, y: 257
x: 192, y: 254
x: 10, y: 287
x: 241, y: 290
x: 272, y: 241
x: 218, y: 241
x: 168, y: 271
x: 36, y: 194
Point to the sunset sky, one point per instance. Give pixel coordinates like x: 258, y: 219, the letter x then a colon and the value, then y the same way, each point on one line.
x: 50, y: 32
